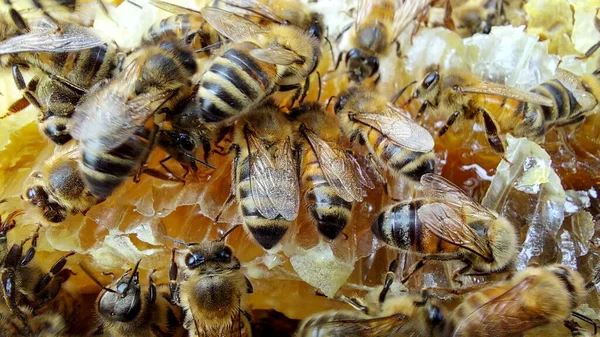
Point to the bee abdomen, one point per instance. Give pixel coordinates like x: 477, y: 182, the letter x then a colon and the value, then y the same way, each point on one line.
x: 105, y: 171
x: 267, y: 232
x: 408, y: 163
x: 330, y: 212
x: 398, y: 225
x: 233, y: 83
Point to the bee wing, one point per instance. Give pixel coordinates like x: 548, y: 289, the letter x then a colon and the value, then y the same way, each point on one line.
x: 48, y: 38
x: 444, y: 222
x: 573, y: 83
x: 363, y: 176
x: 504, y: 313
x: 364, y: 8
x: 376, y: 326
x: 172, y: 8
x: 106, y: 117
x: 276, y: 55
x: 253, y: 7
x: 496, y: 89
x: 338, y: 168
x: 273, y: 183
x: 231, y: 25
x: 399, y: 129
x: 405, y: 13
x: 439, y: 188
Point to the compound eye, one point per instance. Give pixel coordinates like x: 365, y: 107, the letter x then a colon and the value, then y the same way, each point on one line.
x: 193, y: 260
x: 224, y: 255
x: 353, y: 54
x: 430, y: 79
x: 435, y: 315
x: 186, y: 142
x: 373, y: 62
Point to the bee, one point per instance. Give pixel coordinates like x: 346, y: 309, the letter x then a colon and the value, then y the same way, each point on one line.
x: 558, y: 102
x: 448, y: 225
x: 125, y: 309
x: 186, y: 25
x: 59, y: 188
x: 260, y: 61
x: 472, y: 18
x: 331, y: 177
x: 394, y: 140
x: 533, y: 297
x: 31, y: 300
x: 211, y: 290
x: 400, y: 315
x: 110, y: 121
x: 265, y: 174
x: 377, y: 26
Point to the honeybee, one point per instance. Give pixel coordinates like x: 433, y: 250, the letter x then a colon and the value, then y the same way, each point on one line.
x: 554, y: 103
x: 377, y: 26
x: 32, y: 301
x: 533, y: 297
x: 265, y: 174
x: 125, y: 309
x: 260, y: 61
x: 186, y: 25
x: 331, y: 177
x: 109, y: 122
x: 400, y: 315
x: 472, y: 18
x: 448, y: 225
x: 211, y: 290
x: 394, y: 140
x: 59, y: 188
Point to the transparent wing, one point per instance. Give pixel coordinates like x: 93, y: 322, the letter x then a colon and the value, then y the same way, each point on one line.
x: 406, y: 12
x: 172, y: 8
x: 365, y: 180
x: 338, y: 168
x: 573, y: 83
x: 400, y: 129
x: 48, y: 38
x: 450, y: 226
x: 439, y: 188
x: 107, y: 116
x: 504, y: 314
x: 364, y: 8
x: 253, y: 7
x: 352, y: 326
x: 276, y: 55
x: 496, y: 89
x: 231, y: 25
x: 273, y: 182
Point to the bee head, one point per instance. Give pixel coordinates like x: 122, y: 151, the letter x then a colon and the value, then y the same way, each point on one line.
x: 316, y: 27
x: 38, y: 197
x: 211, y: 256
x: 361, y: 66
x: 124, y: 302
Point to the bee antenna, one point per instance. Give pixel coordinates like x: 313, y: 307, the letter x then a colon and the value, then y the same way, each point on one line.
x: 319, y: 92
x: 192, y: 157
x: 330, y: 45
x: 595, y: 279
x: 93, y: 278
x: 135, y: 4
x: 397, y: 95
x: 587, y: 320
x: 227, y: 233
x: 181, y: 242
x: 133, y: 275
x: 329, y: 101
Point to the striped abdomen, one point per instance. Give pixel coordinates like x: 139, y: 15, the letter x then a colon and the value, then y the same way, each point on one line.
x: 82, y: 69
x: 234, y: 83
x: 399, y: 160
x: 267, y: 232
x: 330, y: 212
x: 105, y: 171
x: 58, y: 104
x: 537, y: 119
x: 190, y: 29
x: 399, y: 226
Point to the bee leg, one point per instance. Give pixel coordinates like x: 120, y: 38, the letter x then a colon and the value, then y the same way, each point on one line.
x: 291, y: 87
x: 337, y: 63
x: 171, y: 173
x: 449, y: 123
x: 249, y: 287
x: 461, y: 272
x: 9, y: 293
x: 590, y: 51
x: 344, y: 30
x: 13, y: 257
x: 30, y: 253
x: 422, y: 109
x: 56, y: 268
x: 491, y: 131
x: 161, y: 175
x: 16, y: 17
x: 232, y: 191
x: 151, y: 287
x: 152, y: 139
x: 413, y: 269
x: 398, y: 51
x: 587, y: 320
x: 389, y: 279
x: 173, y: 287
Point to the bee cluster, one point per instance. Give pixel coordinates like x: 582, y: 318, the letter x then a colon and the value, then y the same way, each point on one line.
x: 253, y: 115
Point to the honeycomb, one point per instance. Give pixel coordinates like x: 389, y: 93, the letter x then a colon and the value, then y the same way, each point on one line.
x: 548, y: 191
